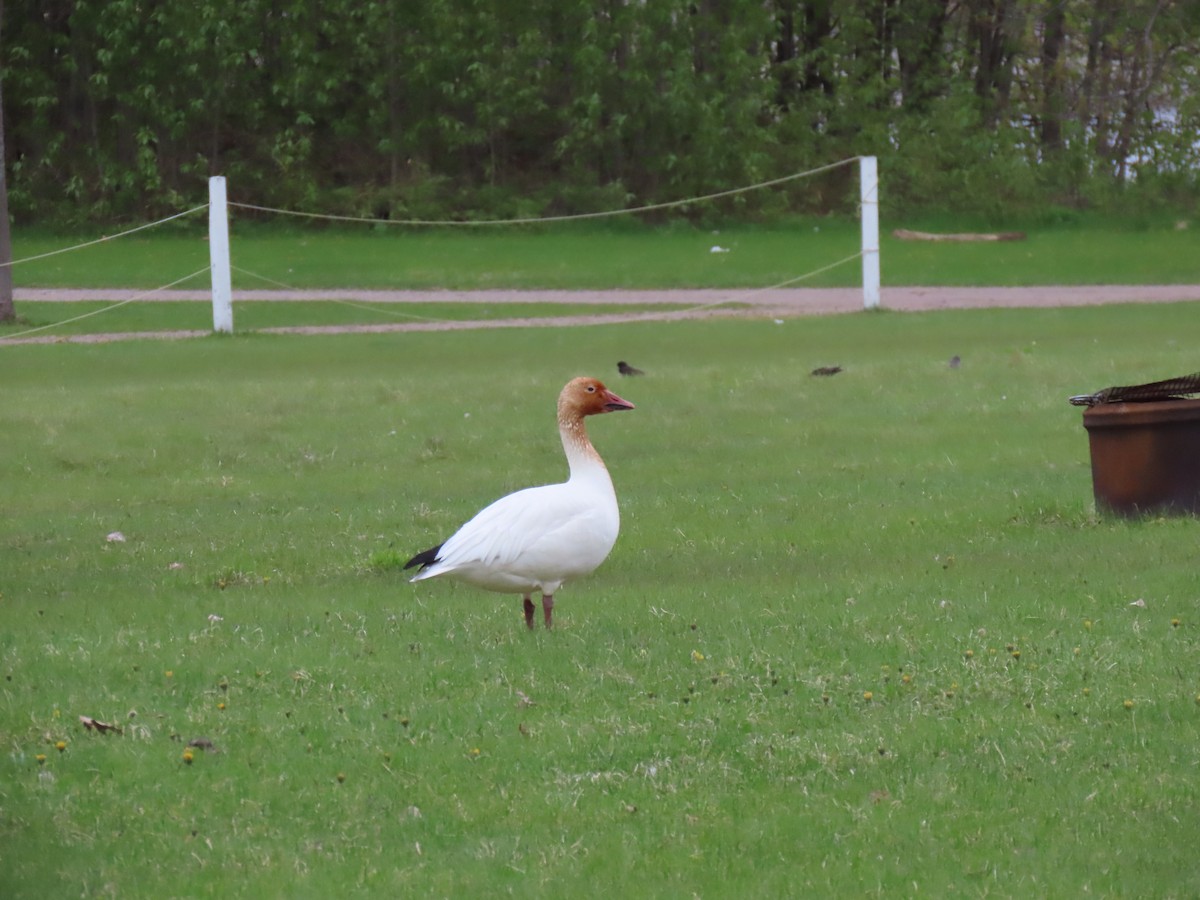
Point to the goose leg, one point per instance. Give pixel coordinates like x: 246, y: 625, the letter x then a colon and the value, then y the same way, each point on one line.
x: 547, y: 607
x: 529, y: 612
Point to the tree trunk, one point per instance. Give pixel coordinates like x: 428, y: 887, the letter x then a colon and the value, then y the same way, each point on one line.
x: 1142, y: 72
x: 785, y: 53
x: 7, y: 311
x: 1097, y: 80
x: 920, y: 51
x: 992, y: 31
x: 1053, y: 100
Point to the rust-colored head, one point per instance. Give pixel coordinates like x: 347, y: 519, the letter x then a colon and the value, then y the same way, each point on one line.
x: 588, y: 397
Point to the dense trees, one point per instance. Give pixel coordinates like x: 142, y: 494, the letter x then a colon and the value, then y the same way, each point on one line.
x: 117, y: 108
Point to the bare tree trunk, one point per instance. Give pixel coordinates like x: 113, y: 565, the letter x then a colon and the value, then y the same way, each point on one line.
x: 919, y: 42
x: 993, y: 28
x: 818, y: 27
x: 1142, y: 73
x: 1053, y: 101
x: 785, y: 52
x: 394, y: 114
x: 1097, y: 79
x: 7, y: 311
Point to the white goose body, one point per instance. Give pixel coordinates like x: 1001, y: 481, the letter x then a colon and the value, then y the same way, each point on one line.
x: 539, y: 538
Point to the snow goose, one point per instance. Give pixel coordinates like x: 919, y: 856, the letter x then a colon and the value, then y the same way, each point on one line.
x: 541, y: 537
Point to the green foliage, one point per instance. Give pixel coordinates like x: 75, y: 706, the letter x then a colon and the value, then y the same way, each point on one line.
x: 458, y: 108
x: 860, y: 636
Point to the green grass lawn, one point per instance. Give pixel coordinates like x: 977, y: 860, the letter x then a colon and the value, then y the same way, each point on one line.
x: 597, y: 257
x: 861, y: 635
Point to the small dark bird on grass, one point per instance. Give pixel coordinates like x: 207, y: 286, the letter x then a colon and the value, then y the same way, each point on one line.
x: 955, y: 361
x: 826, y: 370
x: 626, y: 369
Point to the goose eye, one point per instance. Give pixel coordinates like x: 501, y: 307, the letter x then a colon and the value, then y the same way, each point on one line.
x: 591, y: 389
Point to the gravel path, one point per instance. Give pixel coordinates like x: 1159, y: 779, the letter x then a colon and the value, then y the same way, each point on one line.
x: 774, y: 303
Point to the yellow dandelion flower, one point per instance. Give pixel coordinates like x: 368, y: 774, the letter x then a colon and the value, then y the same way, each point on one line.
x: 187, y: 757
x: 868, y: 696
x: 906, y: 678
x: 697, y: 656
x: 41, y: 757
x: 221, y: 706
x: 341, y: 777
x: 60, y: 746
x: 1175, y: 623
x: 1129, y: 704
x: 970, y: 654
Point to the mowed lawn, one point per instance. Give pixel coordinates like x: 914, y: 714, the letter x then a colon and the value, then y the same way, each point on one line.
x: 862, y: 635
x: 819, y: 251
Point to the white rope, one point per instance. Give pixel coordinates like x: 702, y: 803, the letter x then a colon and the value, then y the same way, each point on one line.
x: 278, y: 284
x: 747, y: 295
x: 350, y: 303
x: 735, y: 298
x: 107, y: 237
x: 392, y: 313
x: 533, y: 220
x: 109, y: 308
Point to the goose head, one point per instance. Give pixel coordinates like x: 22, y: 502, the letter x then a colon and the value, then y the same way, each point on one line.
x: 588, y: 397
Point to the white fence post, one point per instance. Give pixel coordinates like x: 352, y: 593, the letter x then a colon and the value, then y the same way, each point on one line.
x: 218, y: 253
x: 869, y: 177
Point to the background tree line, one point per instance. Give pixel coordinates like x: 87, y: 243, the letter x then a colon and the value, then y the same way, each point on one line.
x: 395, y: 108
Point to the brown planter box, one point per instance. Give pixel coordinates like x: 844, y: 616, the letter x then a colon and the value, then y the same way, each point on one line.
x: 1145, y: 456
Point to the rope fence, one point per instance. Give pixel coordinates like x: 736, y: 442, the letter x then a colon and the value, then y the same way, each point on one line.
x: 217, y: 208
x: 105, y: 238
x: 95, y: 312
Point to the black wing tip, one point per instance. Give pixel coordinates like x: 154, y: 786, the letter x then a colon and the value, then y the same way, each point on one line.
x: 425, y: 558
